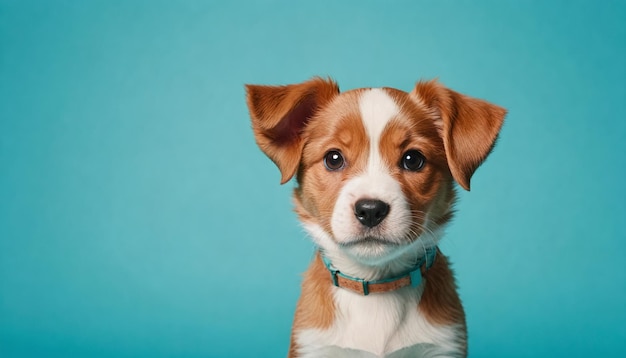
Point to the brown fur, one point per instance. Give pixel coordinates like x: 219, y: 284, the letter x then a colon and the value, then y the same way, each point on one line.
x: 470, y: 127
x: 339, y: 127
x: 315, y: 308
x: 280, y: 113
x: 440, y: 302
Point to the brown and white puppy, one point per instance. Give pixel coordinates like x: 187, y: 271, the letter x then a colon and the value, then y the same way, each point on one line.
x: 375, y: 171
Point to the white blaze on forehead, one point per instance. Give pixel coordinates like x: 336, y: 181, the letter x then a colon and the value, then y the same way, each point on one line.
x: 377, y: 109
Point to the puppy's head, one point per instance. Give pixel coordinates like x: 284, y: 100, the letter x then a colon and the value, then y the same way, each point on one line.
x: 375, y: 166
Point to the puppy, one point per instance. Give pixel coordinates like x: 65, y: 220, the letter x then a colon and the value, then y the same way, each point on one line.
x: 375, y: 170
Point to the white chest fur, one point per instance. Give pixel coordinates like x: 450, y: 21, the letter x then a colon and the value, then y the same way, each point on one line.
x: 379, y: 325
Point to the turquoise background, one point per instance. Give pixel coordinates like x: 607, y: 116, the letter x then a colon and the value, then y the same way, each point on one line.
x: 139, y: 219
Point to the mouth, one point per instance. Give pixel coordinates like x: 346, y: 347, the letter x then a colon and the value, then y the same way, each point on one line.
x: 368, y: 241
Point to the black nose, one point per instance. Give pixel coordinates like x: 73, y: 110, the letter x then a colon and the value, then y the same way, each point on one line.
x: 370, y: 212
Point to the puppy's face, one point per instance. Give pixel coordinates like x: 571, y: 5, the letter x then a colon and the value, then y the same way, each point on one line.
x: 375, y: 167
x: 372, y: 168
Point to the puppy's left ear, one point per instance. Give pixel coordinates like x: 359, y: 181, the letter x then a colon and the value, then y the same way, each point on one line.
x: 469, y: 127
x: 280, y: 113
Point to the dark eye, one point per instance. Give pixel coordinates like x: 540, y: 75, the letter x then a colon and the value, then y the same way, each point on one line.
x: 412, y: 160
x: 333, y: 160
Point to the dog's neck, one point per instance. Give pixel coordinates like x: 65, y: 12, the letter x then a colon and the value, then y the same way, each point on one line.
x: 402, y: 262
x: 411, y: 277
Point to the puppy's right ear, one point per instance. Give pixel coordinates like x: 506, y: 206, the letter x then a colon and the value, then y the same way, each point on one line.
x: 280, y: 113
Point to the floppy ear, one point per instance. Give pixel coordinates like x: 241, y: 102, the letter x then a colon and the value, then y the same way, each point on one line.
x: 469, y: 127
x: 280, y: 113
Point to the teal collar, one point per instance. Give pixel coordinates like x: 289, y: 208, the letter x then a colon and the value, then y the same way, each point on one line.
x: 412, y: 277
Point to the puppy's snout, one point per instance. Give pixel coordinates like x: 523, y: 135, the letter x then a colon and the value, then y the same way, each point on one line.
x: 370, y: 212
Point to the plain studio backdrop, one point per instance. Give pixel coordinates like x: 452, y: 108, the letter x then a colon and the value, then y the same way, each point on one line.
x: 139, y: 219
